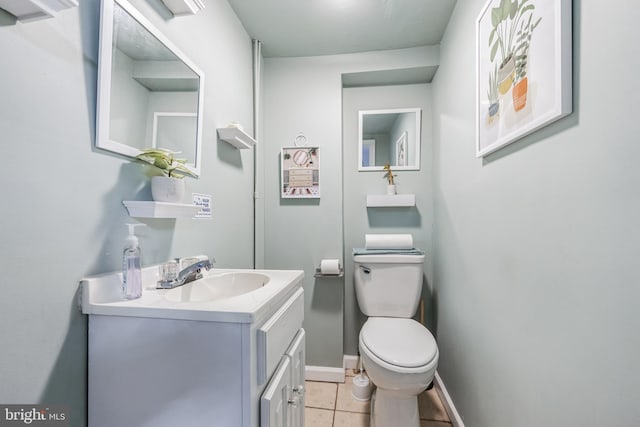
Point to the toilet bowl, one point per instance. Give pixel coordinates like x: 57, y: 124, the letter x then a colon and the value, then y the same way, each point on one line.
x: 400, y: 356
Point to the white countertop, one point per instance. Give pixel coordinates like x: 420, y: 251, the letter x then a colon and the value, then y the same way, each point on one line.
x: 102, y: 295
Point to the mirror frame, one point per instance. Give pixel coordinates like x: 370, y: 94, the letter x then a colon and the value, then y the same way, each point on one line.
x: 418, y: 142
x: 103, y: 112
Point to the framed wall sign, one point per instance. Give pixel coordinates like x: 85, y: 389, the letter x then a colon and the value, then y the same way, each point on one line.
x: 300, y: 170
x: 523, y: 69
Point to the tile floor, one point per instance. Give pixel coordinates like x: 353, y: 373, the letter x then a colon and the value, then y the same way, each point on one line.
x: 331, y: 405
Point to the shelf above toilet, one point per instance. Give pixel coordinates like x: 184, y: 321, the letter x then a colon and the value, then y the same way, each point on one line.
x: 390, y: 200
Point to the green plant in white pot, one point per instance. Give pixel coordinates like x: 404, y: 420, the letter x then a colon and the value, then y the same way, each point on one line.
x: 168, y: 187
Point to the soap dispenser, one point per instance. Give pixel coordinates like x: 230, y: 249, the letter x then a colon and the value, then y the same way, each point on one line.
x: 131, y: 266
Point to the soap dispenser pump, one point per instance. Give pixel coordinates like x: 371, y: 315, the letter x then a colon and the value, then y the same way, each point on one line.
x: 131, y: 265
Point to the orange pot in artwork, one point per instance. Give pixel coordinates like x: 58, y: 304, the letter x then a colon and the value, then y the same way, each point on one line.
x: 520, y: 94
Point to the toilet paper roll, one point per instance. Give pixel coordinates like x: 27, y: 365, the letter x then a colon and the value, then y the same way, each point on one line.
x: 388, y: 241
x: 330, y: 266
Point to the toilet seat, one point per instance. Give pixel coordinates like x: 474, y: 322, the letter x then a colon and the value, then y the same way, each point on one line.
x: 403, y: 343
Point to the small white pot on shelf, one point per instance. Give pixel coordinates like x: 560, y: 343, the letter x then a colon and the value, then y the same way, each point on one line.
x: 167, y: 189
x: 391, y: 189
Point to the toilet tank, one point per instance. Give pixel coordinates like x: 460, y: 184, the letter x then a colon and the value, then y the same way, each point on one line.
x: 388, y: 285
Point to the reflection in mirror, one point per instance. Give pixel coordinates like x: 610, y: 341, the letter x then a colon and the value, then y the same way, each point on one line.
x: 170, y: 129
x: 149, y: 93
x: 389, y: 136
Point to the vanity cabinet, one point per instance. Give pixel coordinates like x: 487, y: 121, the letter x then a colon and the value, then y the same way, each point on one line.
x: 244, y: 371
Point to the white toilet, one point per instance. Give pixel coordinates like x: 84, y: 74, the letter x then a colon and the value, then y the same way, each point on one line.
x: 399, y: 354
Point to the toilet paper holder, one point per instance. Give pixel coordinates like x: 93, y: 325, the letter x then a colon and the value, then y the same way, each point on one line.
x: 329, y: 268
x: 319, y: 273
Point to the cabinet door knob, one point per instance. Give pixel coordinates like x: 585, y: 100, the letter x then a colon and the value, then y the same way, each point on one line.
x: 295, y: 396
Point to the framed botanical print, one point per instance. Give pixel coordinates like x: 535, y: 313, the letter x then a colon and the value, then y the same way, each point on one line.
x: 523, y: 69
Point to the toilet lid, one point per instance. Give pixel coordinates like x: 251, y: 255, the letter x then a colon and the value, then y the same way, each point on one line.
x: 400, y: 342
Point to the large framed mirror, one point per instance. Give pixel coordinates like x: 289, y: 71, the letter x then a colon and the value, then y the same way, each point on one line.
x: 149, y: 93
x: 389, y: 136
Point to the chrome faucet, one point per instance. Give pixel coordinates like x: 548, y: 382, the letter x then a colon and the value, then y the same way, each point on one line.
x: 188, y: 274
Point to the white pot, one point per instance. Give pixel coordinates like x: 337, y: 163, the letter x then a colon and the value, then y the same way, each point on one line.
x: 166, y: 189
x: 391, y: 189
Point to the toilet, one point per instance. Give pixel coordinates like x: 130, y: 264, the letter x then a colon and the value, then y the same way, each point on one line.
x: 399, y: 354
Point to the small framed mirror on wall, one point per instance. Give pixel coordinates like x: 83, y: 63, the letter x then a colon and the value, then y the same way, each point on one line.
x: 389, y: 136
x: 149, y: 93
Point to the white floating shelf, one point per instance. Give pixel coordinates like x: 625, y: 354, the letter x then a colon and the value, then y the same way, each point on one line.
x: 184, y: 7
x: 31, y: 10
x: 236, y: 137
x: 391, y: 200
x: 145, y: 209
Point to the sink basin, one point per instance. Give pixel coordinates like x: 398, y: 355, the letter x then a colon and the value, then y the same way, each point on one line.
x: 223, y: 295
x: 217, y: 287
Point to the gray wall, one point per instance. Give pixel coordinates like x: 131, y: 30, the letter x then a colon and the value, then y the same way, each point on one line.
x: 360, y: 220
x: 62, y: 215
x: 300, y: 96
x: 536, y: 269
x: 304, y: 95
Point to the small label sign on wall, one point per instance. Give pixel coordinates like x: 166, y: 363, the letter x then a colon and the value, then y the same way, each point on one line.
x: 204, y: 202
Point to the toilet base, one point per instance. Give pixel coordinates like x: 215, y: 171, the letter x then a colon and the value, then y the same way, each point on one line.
x: 390, y: 409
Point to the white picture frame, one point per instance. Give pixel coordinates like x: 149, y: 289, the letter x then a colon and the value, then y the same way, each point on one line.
x: 534, y: 42
x: 300, y: 173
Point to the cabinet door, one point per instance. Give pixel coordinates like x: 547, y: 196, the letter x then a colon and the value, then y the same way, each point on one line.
x: 277, y: 333
x: 297, y: 356
x: 274, y: 403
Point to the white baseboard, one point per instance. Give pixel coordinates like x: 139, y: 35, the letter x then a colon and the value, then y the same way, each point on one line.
x: 324, y: 373
x: 330, y: 374
x: 454, y: 416
x: 350, y: 361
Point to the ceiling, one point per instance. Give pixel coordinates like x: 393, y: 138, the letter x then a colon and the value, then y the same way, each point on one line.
x: 328, y: 27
